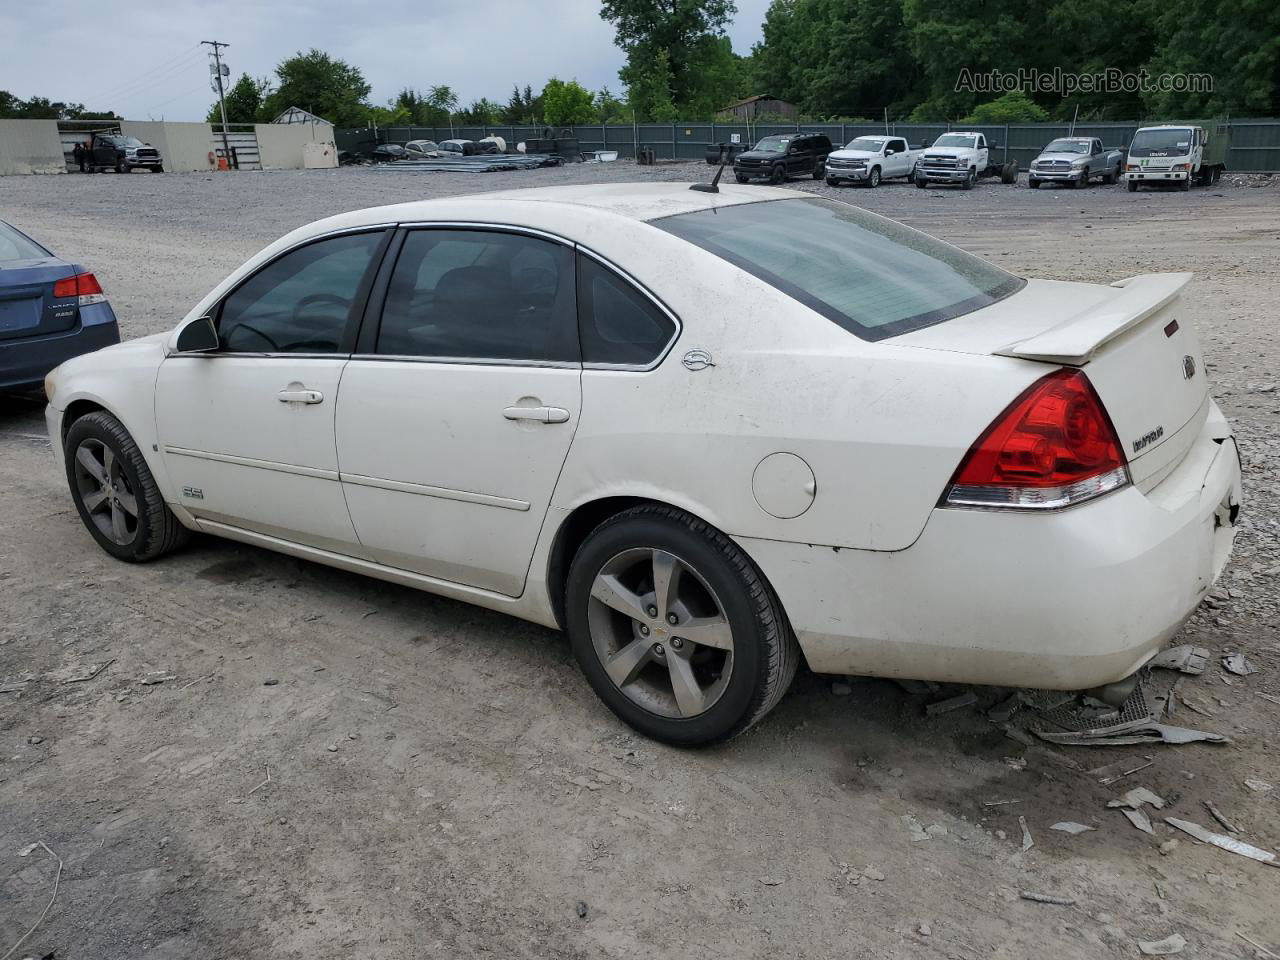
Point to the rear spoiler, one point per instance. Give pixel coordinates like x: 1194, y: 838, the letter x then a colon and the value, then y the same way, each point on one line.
x: 1074, y: 341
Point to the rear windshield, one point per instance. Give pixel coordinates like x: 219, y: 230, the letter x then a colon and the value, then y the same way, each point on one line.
x: 14, y: 246
x: 873, y: 276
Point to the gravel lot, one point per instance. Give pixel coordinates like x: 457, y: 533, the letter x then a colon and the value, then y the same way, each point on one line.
x: 442, y: 783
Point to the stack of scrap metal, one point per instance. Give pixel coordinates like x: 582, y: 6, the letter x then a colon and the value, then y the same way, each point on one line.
x: 481, y: 163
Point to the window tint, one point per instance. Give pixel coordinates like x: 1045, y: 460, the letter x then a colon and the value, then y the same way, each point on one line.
x: 871, y: 275
x: 899, y: 146
x: 301, y: 302
x: 618, y: 323
x: 481, y: 295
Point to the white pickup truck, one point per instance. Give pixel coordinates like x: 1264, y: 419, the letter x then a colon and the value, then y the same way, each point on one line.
x: 961, y: 157
x: 868, y: 160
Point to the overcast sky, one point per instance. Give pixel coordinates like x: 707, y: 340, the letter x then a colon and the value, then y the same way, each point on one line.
x: 144, y: 60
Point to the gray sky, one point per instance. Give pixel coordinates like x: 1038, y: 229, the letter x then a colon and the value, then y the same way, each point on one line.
x: 143, y: 60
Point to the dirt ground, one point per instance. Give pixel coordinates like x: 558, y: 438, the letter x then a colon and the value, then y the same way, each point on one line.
x: 342, y: 768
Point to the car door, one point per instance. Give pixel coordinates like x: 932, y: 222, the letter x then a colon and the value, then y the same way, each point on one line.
x: 798, y: 155
x: 457, y: 412
x: 247, y: 430
x: 897, y: 165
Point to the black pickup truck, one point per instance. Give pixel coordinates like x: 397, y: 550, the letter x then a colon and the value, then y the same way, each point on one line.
x: 123, y: 154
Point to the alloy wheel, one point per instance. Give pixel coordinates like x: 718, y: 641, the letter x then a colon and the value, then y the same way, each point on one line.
x: 660, y: 633
x: 104, y: 490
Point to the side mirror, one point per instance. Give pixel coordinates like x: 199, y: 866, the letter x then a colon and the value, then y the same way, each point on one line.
x: 198, y: 336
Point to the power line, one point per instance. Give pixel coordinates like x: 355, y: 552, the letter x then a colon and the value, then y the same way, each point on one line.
x: 153, y: 74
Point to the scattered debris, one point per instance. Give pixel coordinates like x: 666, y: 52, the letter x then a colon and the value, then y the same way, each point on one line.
x: 917, y: 686
x: 1265, y: 696
x: 1004, y: 711
x: 35, y: 741
x: 1118, y: 771
x: 1259, y: 947
x: 191, y: 683
x: 582, y: 909
x: 999, y: 803
x: 1047, y: 898
x: 916, y: 831
x: 16, y: 686
x: 1168, y: 847
x: 951, y: 703
x: 1137, y: 731
x: 584, y: 782
x: 1238, y: 664
x: 1018, y: 734
x: 1017, y: 763
x: 871, y: 873
x: 262, y: 784
x: 1196, y: 706
x: 1070, y: 826
x: 1136, y: 797
x: 57, y: 878
x: 1139, y: 820
x: 1221, y: 840
x: 771, y: 881
x: 157, y: 676
x: 1184, y: 659
x: 1027, y: 841
x: 924, y: 930
x: 90, y: 673
x: 1163, y: 948
x: 270, y: 682
x: 1217, y: 815
x: 1258, y: 786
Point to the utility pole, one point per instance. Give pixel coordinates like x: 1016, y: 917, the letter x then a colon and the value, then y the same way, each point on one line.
x: 217, y: 72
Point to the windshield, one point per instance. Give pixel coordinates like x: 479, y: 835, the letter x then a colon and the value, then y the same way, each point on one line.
x: 16, y: 246
x: 1161, y: 143
x: 870, y: 275
x: 864, y: 143
x: 130, y: 142
x: 773, y: 144
x: 954, y: 140
x: 1068, y: 146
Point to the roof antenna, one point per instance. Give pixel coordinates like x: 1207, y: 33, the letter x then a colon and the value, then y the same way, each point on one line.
x: 714, y: 185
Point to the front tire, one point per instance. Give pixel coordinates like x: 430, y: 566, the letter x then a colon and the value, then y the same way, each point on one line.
x: 1033, y: 183
x: 675, y: 628
x: 778, y: 175
x: 833, y: 181
x: 741, y: 177
x: 1133, y: 185
x: 873, y: 178
x: 922, y: 183
x: 115, y: 492
x: 158, y: 168
x: 968, y: 182
x: 1083, y: 182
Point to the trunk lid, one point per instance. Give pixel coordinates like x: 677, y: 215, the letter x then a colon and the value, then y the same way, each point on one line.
x: 1134, y: 340
x: 28, y: 307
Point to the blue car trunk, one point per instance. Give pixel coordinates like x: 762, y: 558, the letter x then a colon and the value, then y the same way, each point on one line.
x: 28, y: 307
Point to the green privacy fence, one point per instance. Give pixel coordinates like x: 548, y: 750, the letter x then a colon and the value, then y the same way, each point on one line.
x: 1255, y: 144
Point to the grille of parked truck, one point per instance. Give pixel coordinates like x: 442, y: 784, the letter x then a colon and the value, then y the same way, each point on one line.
x: 961, y: 157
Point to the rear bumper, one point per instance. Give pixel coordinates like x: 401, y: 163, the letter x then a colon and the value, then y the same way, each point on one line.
x: 24, y: 363
x: 1070, y: 600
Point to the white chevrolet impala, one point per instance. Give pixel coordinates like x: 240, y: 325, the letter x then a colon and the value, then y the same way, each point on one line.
x: 705, y: 433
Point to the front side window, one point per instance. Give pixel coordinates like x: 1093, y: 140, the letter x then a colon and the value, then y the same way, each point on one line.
x: 870, y: 275
x: 483, y: 295
x: 618, y: 324
x: 301, y: 302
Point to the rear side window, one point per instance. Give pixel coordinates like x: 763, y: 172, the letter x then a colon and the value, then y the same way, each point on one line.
x: 873, y: 276
x: 482, y: 295
x: 618, y: 324
x: 16, y: 246
x: 300, y: 302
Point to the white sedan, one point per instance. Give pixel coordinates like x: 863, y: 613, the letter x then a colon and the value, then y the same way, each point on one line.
x: 705, y: 433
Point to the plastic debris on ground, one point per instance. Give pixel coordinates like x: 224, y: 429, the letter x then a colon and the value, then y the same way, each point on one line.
x: 1184, y: 659
x: 1163, y: 948
x: 1070, y: 826
x: 1238, y: 664
x: 1221, y: 840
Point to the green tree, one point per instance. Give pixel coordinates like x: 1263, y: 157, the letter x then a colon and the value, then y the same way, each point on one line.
x: 649, y: 92
x: 680, y: 29
x: 483, y: 112
x: 245, y: 100
x: 609, y: 109
x: 523, y: 108
x: 324, y: 85
x: 1012, y: 107
x: 565, y: 104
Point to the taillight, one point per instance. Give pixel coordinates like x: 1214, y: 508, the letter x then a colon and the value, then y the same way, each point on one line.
x: 85, y: 286
x: 1052, y: 447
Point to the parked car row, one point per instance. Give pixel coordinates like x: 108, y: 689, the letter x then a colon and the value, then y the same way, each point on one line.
x: 1164, y: 155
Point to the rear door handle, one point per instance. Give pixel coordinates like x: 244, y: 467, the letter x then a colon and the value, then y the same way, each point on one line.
x: 541, y: 414
x: 299, y: 395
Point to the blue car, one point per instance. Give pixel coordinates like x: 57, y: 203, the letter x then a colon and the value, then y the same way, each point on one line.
x: 50, y: 311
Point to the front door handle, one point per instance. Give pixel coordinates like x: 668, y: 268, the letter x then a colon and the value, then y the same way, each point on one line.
x: 299, y: 394
x: 541, y: 414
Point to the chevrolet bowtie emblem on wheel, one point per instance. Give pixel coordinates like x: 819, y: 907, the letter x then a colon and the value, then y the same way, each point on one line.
x: 1188, y: 367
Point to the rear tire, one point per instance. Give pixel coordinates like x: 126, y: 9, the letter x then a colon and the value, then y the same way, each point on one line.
x: 681, y: 691
x: 115, y: 492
